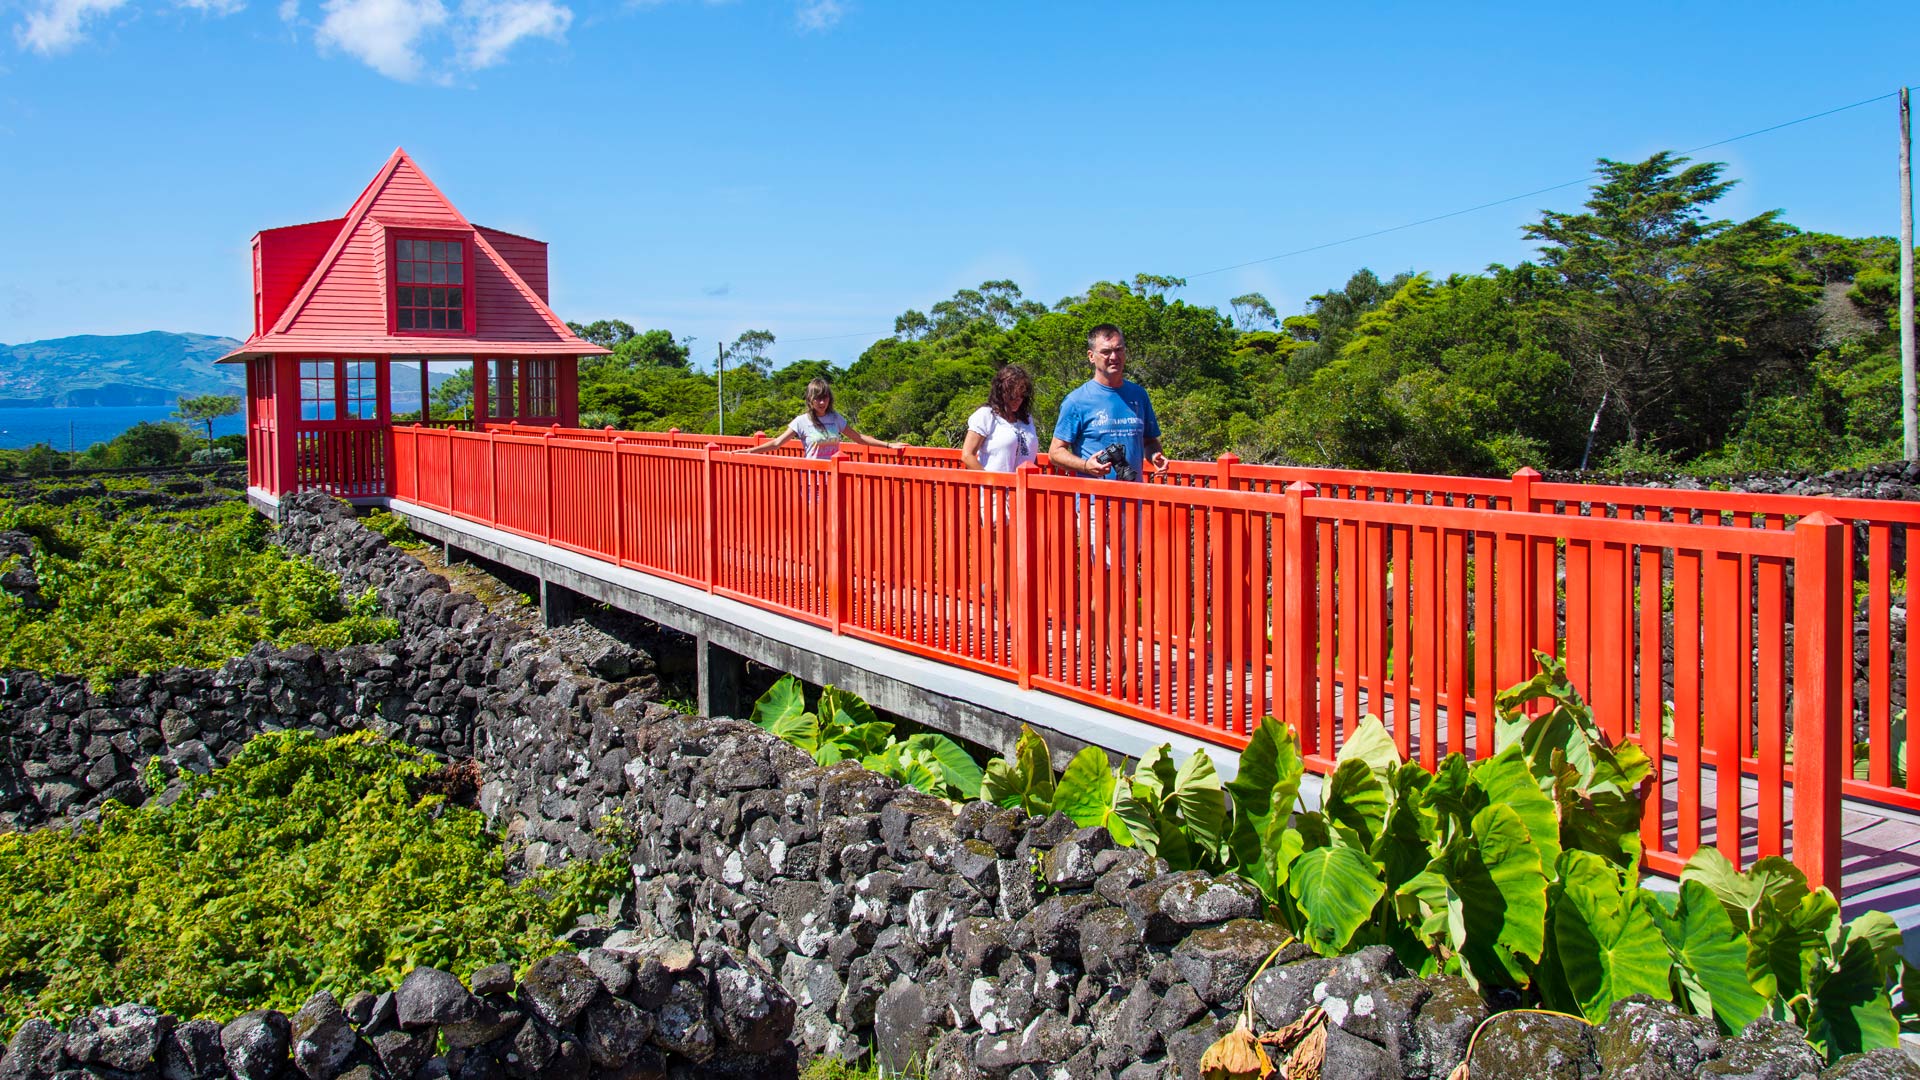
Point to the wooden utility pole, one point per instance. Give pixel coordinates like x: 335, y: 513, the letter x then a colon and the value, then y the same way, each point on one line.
x: 1909, y: 390
x: 720, y: 382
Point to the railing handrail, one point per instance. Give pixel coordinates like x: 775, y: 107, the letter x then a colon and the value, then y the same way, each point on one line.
x: 1290, y: 601
x: 1859, y: 510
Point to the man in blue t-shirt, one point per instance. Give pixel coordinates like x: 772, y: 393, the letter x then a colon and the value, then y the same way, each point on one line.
x: 1104, y: 410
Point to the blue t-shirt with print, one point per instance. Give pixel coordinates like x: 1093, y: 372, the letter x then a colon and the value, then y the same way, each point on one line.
x: 1094, y: 416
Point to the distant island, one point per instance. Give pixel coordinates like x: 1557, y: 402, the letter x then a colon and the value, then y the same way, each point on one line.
x: 91, y: 370
x: 154, y: 368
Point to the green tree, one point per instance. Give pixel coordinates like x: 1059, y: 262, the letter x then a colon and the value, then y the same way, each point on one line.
x: 205, y: 409
x: 911, y: 325
x: 1252, y: 310
x: 749, y: 352
x: 145, y: 445
x: 454, y: 396
x: 656, y: 347
x: 40, y: 459
x: 606, y: 333
x: 1667, y: 315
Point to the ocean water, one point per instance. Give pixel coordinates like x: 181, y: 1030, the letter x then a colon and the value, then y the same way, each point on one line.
x: 86, y: 426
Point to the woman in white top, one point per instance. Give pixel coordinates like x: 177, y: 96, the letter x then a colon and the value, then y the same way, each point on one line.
x: 820, y: 429
x: 1000, y: 435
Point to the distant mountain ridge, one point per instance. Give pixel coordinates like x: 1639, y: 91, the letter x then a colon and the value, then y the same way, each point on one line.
x: 154, y: 368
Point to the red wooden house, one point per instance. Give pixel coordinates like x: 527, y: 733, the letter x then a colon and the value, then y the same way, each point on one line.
x: 405, y: 277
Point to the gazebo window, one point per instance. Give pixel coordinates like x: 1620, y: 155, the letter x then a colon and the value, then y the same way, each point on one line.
x: 430, y: 286
x: 317, y: 390
x: 363, y: 391
x: 542, y: 388
x: 505, y: 401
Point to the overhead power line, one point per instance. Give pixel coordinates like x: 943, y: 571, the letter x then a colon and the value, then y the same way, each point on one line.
x: 1588, y: 178
x: 1529, y: 194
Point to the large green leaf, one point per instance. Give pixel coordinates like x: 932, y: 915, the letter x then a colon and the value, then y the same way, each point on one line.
x: 1149, y: 814
x: 1485, y: 897
x: 1880, y: 932
x: 962, y: 773
x: 1175, y: 812
x: 1286, y: 850
x: 912, y: 766
x: 1263, y: 795
x: 1410, y: 836
x: 1183, y: 808
x: 1447, y: 795
x: 1085, y: 790
x: 1852, y: 1010
x: 1595, y: 785
x: 1738, y: 893
x: 1506, y: 781
x: 1372, y: 743
x: 1026, y: 782
x: 1786, y: 945
x: 832, y: 753
x: 1336, y: 889
x: 1356, y: 803
x: 784, y: 698
x: 1608, y: 945
x: 1202, y: 808
x: 854, y: 740
x: 782, y: 710
x: 1709, y: 956
x: 1603, y: 820
x: 1550, y: 681
x: 834, y: 701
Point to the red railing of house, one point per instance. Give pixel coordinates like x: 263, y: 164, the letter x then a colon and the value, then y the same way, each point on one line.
x: 1203, y: 602
x: 343, y: 461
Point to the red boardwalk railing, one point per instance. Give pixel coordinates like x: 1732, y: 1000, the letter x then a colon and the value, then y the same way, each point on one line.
x: 1711, y: 629
x: 928, y: 561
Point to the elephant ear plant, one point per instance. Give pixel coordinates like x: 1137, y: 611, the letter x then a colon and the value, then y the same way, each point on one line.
x: 1519, y: 871
x: 841, y: 727
x: 1176, y: 812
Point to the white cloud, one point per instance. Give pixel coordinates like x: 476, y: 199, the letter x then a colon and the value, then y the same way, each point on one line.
x: 818, y: 14
x: 213, y: 7
x: 494, y: 26
x: 383, y: 34
x: 289, y: 10
x: 58, y: 25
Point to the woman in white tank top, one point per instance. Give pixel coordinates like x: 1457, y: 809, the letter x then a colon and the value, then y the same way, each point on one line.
x: 1000, y: 434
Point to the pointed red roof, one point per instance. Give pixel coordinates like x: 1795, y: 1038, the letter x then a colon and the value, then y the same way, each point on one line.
x: 342, y: 308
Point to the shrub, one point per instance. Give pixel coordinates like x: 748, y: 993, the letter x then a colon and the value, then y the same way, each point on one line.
x: 393, y: 527
x: 145, y: 589
x: 306, y: 864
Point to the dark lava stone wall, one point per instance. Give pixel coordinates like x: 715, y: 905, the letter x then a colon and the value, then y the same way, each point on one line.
x: 857, y: 917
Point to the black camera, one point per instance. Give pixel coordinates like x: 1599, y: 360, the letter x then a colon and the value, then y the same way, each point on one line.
x: 1116, y: 455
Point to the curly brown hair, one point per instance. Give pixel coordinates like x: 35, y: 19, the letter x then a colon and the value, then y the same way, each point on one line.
x: 1011, y: 396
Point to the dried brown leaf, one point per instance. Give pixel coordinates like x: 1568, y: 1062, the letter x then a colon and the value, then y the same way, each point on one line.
x: 1237, y: 1055
x: 1308, y: 1057
x: 1284, y: 1038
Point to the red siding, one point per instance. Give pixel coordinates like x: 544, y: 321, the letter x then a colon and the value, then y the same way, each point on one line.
x: 287, y: 259
x: 341, y: 306
x: 506, y: 312
x: 351, y: 298
x: 527, y: 256
x: 348, y: 298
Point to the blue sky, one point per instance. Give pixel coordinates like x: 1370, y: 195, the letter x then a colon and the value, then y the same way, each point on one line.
x: 815, y: 168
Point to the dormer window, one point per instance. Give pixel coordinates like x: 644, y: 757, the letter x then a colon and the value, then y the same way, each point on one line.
x: 432, y: 286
